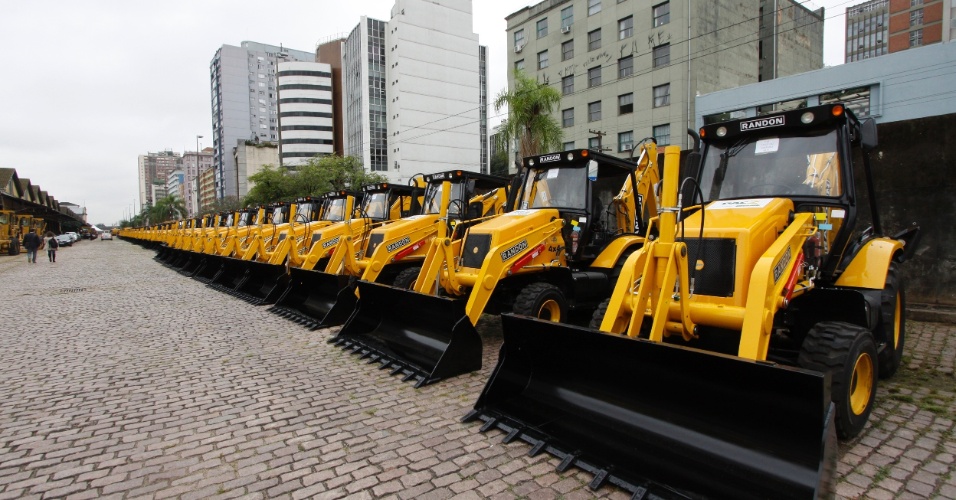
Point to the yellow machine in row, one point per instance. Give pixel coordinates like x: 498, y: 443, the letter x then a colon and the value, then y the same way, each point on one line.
x: 580, y: 213
x: 741, y: 340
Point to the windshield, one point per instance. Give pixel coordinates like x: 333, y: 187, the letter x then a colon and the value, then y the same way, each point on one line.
x: 375, y: 205
x: 303, y: 212
x: 278, y: 215
x: 773, y: 166
x: 3, y: 219
x: 335, y: 210
x: 229, y: 220
x: 244, y: 219
x: 562, y: 187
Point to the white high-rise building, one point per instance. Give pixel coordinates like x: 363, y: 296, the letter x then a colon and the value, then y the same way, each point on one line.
x: 244, y: 103
x: 305, y: 112
x: 415, y: 90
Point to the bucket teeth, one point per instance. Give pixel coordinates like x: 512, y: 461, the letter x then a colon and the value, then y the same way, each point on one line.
x: 511, y: 436
x: 537, y: 448
x: 599, y: 479
x: 568, y: 461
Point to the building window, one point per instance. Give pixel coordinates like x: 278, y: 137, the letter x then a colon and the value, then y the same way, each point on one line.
x: 567, y: 85
x: 594, y: 6
x: 625, y: 141
x: 662, y: 14
x: 567, y: 50
x: 519, y: 38
x: 543, y: 59
x: 916, y: 17
x: 625, y: 27
x: 916, y: 38
x: 662, y: 134
x: 914, y: 3
x: 567, y: 118
x: 519, y: 65
x: 594, y: 111
x: 594, y: 39
x: 662, y: 95
x: 594, y: 76
x: 568, y: 146
x: 625, y: 103
x: 594, y: 143
x: 662, y: 55
x: 625, y: 67
x: 543, y: 27
x: 567, y: 17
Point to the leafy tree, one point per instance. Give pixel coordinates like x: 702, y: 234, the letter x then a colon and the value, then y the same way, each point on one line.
x: 227, y: 204
x: 343, y: 172
x: 529, y: 120
x: 271, y: 185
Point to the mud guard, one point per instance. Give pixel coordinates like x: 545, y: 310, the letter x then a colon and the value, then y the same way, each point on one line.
x: 316, y: 299
x: 260, y: 281
x: 423, y: 337
x: 661, y: 419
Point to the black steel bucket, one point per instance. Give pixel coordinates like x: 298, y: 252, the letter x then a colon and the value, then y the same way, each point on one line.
x: 260, y: 281
x: 661, y: 419
x: 424, y: 337
x: 316, y: 299
x: 231, y: 275
x: 208, y: 268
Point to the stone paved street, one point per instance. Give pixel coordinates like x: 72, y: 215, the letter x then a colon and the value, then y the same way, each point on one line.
x: 120, y: 378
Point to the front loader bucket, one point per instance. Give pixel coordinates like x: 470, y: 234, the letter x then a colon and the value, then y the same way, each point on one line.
x: 231, y: 275
x: 658, y: 419
x: 192, y: 264
x: 316, y: 299
x: 424, y: 337
x: 260, y: 280
x: 180, y: 259
x: 163, y: 252
x: 209, y: 268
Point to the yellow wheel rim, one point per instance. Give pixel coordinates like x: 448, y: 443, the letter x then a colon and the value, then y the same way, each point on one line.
x: 550, y: 310
x: 861, y: 384
x: 896, y: 324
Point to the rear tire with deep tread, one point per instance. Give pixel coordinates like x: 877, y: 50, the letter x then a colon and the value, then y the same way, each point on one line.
x: 406, y: 279
x: 848, y: 353
x: 892, y: 322
x: 542, y: 301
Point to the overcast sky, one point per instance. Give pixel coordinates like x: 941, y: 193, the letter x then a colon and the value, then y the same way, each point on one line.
x: 90, y: 85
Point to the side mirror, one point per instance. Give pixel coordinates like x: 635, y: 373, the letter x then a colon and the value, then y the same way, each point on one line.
x: 868, y: 138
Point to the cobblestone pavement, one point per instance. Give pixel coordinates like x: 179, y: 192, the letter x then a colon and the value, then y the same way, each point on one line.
x: 120, y: 378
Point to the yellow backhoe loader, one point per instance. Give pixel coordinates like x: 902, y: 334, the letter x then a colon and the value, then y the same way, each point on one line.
x: 8, y: 239
x: 581, y: 213
x: 741, y: 340
x: 385, y: 251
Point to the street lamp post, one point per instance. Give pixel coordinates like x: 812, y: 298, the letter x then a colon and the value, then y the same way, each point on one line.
x: 194, y: 182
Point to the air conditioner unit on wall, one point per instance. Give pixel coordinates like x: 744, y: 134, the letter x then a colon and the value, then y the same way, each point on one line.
x: 518, y: 48
x: 566, y: 29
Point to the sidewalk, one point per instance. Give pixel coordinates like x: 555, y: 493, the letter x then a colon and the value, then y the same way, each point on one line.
x: 125, y: 379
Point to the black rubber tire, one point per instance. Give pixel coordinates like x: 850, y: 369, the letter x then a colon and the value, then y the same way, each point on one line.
x: 406, y: 279
x: 848, y: 353
x: 598, y: 317
x: 892, y: 325
x: 542, y: 301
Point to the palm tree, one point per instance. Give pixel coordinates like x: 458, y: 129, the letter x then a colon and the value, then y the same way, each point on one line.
x: 167, y: 208
x: 529, y: 117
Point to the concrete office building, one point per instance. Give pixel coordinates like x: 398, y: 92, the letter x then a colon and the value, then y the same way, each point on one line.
x: 250, y: 157
x: 330, y: 52
x: 630, y: 70
x: 414, y: 90
x: 176, y: 184
x: 152, y: 169
x: 244, y: 103
x: 194, y: 162
x: 305, y: 112
x: 867, y: 30
x: 881, y: 27
x: 207, y: 187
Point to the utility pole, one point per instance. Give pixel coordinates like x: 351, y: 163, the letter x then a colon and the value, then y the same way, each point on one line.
x: 600, y: 135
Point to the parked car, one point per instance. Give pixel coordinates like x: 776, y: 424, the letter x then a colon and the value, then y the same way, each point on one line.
x: 73, y: 236
x: 64, y: 240
x: 106, y: 235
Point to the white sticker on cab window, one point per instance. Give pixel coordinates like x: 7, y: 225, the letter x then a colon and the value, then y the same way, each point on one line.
x: 552, y: 174
x: 765, y: 146
x: 731, y: 204
x: 838, y: 213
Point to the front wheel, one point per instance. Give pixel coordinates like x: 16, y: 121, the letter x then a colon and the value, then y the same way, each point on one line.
x: 406, y: 279
x: 848, y: 353
x: 543, y: 301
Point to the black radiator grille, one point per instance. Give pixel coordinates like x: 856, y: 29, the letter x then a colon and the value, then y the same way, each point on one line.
x: 373, y: 242
x: 719, y: 256
x: 475, y: 249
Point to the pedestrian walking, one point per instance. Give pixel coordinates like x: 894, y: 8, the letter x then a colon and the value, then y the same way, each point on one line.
x: 32, y: 243
x: 51, y: 245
